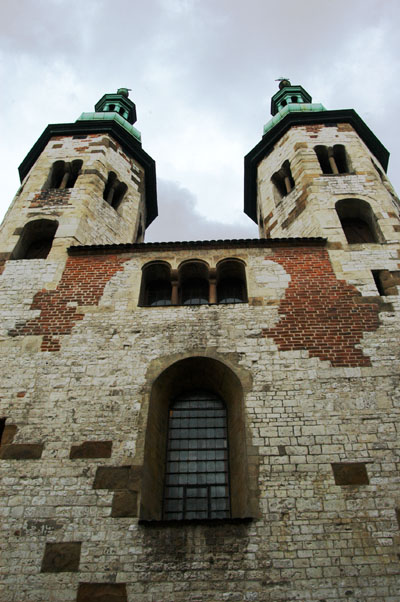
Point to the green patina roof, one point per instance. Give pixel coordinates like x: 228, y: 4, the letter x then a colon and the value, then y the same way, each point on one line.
x: 112, y: 116
x: 293, y: 108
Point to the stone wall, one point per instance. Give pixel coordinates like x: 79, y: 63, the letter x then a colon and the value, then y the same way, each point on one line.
x: 80, y: 359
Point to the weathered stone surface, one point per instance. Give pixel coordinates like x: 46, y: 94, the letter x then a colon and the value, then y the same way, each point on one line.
x: 117, y: 477
x: 61, y: 557
x: 91, y: 449
x: 124, y: 504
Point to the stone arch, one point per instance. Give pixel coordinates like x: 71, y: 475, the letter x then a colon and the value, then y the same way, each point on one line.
x: 156, y: 284
x: 36, y: 239
x: 188, y: 373
x: 358, y: 221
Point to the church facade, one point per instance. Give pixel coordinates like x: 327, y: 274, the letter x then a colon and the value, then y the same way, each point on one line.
x: 201, y: 421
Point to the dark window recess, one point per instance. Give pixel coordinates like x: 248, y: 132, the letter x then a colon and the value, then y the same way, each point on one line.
x: 159, y: 293
x: 386, y: 282
x: 36, y: 240
x: 79, y: 137
x: 156, y: 285
x: 350, y: 473
x: 283, y: 180
x: 230, y: 290
x: 2, y: 426
x: 378, y: 282
x: 196, y: 476
x: 63, y: 175
x: 114, y: 191
x: 294, y: 99
x: 194, y: 291
x: 357, y: 220
x: 357, y: 230
x: 332, y: 159
x: 231, y: 281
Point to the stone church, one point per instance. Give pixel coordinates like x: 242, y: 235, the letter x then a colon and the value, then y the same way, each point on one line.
x: 209, y: 421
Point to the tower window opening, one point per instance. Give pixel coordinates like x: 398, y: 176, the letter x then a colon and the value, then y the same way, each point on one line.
x: 36, y: 240
x: 378, y: 282
x: 114, y: 191
x: 294, y: 99
x: 196, y: 475
x: 283, y: 180
x: 63, y: 175
x: 333, y: 160
x: 386, y: 282
x: 358, y: 221
x: 284, y: 103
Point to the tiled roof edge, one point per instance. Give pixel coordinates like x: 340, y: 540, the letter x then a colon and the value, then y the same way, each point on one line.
x: 204, y: 244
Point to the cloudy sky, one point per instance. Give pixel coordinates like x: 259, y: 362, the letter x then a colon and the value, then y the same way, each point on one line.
x: 202, y: 73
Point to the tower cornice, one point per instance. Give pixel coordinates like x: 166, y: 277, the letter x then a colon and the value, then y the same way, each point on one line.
x: 272, y: 136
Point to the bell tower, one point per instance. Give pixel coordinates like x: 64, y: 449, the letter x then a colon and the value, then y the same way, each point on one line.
x: 318, y: 172
x: 86, y: 183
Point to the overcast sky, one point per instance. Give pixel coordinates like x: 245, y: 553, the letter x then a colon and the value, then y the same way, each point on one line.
x: 202, y: 73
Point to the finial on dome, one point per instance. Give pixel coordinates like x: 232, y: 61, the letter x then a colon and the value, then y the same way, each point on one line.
x: 283, y: 82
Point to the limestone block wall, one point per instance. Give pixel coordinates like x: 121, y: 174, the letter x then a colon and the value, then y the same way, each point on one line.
x: 84, y: 216
x: 315, y: 350
x: 309, y: 209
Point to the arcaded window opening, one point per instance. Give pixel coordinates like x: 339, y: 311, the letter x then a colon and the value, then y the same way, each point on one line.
x: 191, y: 375
x: 156, y: 285
x: 114, y: 190
x: 358, y: 221
x: 63, y: 175
x: 231, y: 281
x: 283, y: 180
x: 196, y: 473
x: 194, y: 287
x: 333, y: 160
x: 36, y: 240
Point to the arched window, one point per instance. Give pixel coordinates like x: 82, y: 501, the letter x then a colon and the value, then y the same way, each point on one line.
x: 196, y: 473
x: 283, y: 180
x: 114, y: 190
x: 188, y: 450
x: 333, y: 159
x: 63, y: 175
x: 36, y: 240
x: 231, y: 281
x: 156, y: 285
x: 194, y: 283
x: 358, y: 221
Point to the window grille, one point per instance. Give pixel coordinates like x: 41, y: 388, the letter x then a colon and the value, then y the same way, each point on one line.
x: 196, y: 477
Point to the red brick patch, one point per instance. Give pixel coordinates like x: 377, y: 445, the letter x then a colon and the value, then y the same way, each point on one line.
x: 320, y: 313
x: 83, y: 283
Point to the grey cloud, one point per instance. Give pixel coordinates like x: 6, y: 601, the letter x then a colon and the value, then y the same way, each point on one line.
x: 179, y: 220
